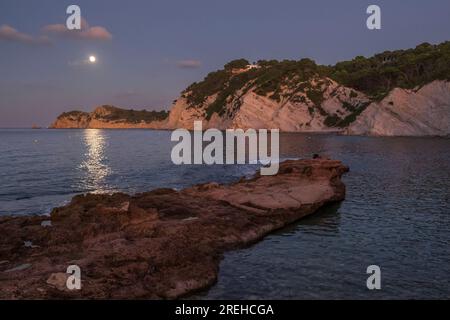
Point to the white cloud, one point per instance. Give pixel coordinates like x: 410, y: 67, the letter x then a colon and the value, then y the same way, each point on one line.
x: 87, y: 32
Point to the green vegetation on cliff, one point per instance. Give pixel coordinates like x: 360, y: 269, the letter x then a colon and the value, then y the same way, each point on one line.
x: 268, y: 78
x: 72, y: 114
x: 110, y: 113
x: 378, y: 75
x: 375, y: 76
x: 130, y: 116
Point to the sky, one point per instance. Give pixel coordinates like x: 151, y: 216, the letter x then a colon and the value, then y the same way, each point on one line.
x: 148, y: 51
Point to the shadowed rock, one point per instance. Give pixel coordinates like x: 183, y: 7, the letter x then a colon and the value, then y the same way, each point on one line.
x: 161, y: 244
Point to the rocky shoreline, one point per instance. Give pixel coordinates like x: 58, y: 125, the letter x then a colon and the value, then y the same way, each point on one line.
x: 162, y: 244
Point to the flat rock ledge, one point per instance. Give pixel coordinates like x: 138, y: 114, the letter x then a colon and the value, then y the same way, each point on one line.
x: 162, y: 244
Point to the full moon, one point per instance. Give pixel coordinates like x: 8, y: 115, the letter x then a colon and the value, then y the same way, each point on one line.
x: 92, y: 59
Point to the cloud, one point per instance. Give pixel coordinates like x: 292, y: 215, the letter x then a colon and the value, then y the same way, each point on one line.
x: 189, y: 64
x: 96, y: 33
x: 8, y: 33
x: 87, y: 32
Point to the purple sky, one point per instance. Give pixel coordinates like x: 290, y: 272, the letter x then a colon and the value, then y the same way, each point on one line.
x: 148, y: 51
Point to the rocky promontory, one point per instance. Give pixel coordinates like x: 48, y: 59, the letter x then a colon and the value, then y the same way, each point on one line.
x: 160, y: 244
x: 394, y: 93
x: 110, y: 117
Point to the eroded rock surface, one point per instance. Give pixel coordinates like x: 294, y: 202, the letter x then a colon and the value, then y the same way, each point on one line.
x: 156, y: 245
x: 294, y: 112
x: 421, y: 112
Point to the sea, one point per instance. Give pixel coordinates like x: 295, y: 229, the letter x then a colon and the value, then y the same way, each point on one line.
x: 396, y: 214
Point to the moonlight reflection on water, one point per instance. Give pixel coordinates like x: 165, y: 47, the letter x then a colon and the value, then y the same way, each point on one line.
x: 94, y: 165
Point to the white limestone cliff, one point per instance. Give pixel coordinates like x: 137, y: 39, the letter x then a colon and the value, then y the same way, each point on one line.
x: 421, y: 112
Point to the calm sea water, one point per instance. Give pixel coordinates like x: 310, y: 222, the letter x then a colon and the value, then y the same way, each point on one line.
x: 396, y: 214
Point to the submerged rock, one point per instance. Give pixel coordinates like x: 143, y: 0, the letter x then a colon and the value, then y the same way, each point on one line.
x: 161, y: 244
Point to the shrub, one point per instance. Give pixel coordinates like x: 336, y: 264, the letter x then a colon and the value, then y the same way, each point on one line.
x: 331, y: 121
x: 236, y: 64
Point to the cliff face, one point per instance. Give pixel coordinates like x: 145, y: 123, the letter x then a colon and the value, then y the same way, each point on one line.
x: 108, y: 117
x: 319, y: 104
x: 421, y: 112
x: 72, y: 120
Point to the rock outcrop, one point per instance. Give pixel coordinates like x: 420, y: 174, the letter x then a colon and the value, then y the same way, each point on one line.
x: 109, y: 117
x: 421, y: 112
x: 402, y: 92
x: 161, y: 244
x: 424, y: 111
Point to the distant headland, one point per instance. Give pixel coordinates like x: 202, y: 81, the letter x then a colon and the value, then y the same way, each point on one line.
x: 110, y: 117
